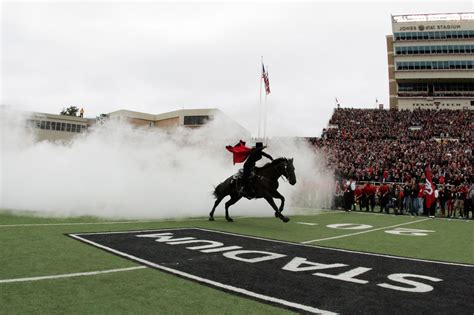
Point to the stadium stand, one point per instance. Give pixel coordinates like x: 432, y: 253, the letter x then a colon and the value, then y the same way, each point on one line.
x: 390, y: 146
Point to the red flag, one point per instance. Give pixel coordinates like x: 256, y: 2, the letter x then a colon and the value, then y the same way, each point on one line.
x: 266, y: 80
x: 429, y: 188
x: 240, y: 151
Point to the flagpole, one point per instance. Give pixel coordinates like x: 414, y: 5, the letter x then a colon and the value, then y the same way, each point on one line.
x: 265, y: 119
x: 265, y: 113
x: 260, y: 105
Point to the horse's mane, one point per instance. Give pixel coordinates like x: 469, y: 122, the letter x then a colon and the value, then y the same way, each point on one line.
x: 274, y: 162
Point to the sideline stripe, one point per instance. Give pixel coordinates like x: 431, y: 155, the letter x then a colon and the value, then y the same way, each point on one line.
x: 111, y: 222
x: 69, y: 275
x: 362, y: 232
x: 104, y: 223
x: 204, y: 280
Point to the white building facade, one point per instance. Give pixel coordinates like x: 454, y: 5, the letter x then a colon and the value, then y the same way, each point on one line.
x: 431, y: 61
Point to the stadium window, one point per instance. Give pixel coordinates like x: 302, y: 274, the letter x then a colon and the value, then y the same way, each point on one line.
x: 53, y: 125
x: 58, y: 126
x: 195, y: 120
x: 48, y: 125
x: 43, y: 124
x: 68, y: 127
x: 73, y: 127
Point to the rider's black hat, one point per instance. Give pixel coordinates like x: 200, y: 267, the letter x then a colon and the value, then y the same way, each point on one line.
x: 259, y: 145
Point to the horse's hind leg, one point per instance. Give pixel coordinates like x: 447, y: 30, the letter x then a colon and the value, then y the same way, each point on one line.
x: 233, y: 199
x: 211, y: 214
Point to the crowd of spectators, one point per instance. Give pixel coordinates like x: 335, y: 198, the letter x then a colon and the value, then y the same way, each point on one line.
x: 390, y: 146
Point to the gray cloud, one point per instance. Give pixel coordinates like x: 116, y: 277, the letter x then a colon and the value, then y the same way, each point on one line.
x: 157, y: 57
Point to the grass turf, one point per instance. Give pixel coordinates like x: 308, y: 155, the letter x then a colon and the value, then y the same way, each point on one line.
x: 42, y: 249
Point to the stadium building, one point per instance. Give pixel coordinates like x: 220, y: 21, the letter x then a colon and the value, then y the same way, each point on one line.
x: 53, y: 127
x: 431, y: 61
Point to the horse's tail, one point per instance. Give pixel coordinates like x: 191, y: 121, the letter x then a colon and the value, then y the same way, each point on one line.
x: 218, y: 190
x: 222, y: 188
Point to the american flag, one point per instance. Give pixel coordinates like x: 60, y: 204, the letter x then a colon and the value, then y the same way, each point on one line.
x: 265, y: 79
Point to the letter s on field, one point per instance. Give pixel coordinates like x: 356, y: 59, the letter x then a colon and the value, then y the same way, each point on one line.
x: 418, y: 287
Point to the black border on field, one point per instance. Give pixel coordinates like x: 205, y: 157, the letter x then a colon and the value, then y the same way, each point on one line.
x: 281, y: 241
x: 229, y: 288
x: 202, y: 281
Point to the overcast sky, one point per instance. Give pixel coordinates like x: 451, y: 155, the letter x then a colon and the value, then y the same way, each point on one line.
x: 156, y: 57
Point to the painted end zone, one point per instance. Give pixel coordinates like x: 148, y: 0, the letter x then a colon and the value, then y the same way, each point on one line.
x: 295, y: 276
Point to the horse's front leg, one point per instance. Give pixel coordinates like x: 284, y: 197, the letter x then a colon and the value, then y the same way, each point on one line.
x: 276, y: 194
x: 272, y: 203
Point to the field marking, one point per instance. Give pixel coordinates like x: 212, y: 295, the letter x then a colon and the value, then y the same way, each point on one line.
x: 69, y: 275
x: 228, y: 287
x: 110, y: 222
x: 362, y: 232
x: 77, y: 235
x: 105, y: 222
x: 306, y: 223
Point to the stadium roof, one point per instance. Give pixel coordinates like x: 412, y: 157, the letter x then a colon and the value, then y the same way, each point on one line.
x: 464, y: 16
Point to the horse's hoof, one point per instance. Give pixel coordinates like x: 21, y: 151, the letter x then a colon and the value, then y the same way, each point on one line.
x: 229, y: 219
x: 285, y: 219
x: 211, y: 218
x: 276, y: 214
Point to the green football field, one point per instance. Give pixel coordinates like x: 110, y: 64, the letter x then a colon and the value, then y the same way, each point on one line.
x: 45, y: 271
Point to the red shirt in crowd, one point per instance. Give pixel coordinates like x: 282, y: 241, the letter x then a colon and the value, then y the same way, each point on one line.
x: 421, y: 189
x: 369, y: 189
x: 383, y: 189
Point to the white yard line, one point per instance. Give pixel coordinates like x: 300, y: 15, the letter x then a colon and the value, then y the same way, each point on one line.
x: 69, y: 275
x: 102, y: 223
x: 363, y: 232
x: 208, y: 281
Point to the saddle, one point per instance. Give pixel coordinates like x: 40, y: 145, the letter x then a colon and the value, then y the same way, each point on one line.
x: 249, y: 191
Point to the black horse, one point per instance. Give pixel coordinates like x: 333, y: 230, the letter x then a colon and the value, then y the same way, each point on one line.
x: 263, y: 185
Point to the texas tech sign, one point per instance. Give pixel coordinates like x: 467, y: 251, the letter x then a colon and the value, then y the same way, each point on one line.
x: 295, y: 276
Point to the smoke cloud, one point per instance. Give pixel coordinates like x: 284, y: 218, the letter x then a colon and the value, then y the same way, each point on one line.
x: 117, y: 171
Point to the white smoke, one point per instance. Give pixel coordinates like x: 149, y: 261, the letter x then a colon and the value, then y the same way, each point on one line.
x: 117, y: 171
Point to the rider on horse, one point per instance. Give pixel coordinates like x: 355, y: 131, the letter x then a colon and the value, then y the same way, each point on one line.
x: 250, y: 156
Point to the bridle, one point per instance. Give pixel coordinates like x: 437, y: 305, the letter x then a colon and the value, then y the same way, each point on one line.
x: 285, y: 167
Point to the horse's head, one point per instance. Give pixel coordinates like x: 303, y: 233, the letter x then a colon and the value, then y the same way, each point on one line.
x: 289, y: 171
